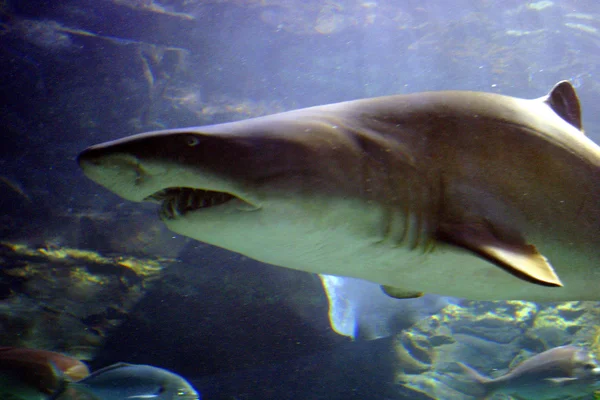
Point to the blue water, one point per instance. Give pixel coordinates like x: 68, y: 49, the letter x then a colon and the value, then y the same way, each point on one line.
x: 77, y: 73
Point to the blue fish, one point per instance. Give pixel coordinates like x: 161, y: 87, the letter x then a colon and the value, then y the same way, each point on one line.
x: 130, y: 382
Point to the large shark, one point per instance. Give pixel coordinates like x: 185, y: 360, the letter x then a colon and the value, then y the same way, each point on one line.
x: 466, y: 194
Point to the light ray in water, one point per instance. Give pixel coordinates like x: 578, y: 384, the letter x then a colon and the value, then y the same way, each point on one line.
x: 112, y: 39
x: 16, y: 187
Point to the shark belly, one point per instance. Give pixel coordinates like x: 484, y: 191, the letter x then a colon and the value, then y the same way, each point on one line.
x: 354, y: 238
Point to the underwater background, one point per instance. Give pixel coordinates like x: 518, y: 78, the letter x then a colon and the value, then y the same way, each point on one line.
x: 87, y: 274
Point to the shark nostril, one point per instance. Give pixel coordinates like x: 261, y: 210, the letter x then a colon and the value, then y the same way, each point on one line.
x: 89, y: 163
x: 90, y: 157
x: 139, y: 177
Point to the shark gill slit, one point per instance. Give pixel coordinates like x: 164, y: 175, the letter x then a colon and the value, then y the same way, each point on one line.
x: 402, y: 220
x: 396, y: 213
x: 418, y: 225
x: 419, y: 193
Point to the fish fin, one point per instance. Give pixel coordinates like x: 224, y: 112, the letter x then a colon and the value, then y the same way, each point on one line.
x: 62, y: 381
x: 517, y: 397
x: 398, y: 293
x: 513, y: 255
x: 482, y: 382
x: 78, y: 390
x: 473, y: 374
x: 560, y: 381
x: 105, y: 369
x: 564, y: 101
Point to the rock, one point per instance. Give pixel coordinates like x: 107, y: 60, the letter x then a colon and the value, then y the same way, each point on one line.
x: 491, y: 337
x: 554, y: 326
x: 68, y: 300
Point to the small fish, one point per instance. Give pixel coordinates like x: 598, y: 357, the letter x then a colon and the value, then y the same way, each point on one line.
x: 31, y: 374
x: 554, y: 374
x: 128, y: 381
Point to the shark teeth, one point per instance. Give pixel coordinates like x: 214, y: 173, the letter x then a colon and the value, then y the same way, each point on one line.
x: 176, y: 202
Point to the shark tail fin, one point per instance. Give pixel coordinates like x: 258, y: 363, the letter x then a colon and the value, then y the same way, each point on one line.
x: 483, y: 383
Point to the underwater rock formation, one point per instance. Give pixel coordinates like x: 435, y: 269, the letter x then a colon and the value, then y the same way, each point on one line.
x: 65, y: 299
x: 492, y: 337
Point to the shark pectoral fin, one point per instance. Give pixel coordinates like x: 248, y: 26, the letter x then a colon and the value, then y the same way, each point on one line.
x: 524, y: 261
x: 518, y: 258
x: 398, y: 293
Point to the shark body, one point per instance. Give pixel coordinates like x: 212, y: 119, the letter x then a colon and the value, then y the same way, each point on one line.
x: 466, y: 194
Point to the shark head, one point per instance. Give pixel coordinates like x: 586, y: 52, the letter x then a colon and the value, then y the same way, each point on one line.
x: 186, y: 171
x: 386, y: 189
x: 238, y: 184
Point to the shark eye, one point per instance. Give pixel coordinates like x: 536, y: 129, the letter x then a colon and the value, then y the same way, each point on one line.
x: 192, y: 141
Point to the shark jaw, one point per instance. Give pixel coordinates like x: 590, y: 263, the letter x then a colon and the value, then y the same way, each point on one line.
x: 141, y: 180
x: 176, y: 202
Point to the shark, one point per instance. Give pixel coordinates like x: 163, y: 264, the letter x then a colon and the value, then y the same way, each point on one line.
x: 467, y: 194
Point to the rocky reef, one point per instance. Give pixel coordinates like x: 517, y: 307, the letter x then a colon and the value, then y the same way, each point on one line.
x: 491, y: 337
x: 98, y: 307
x: 66, y: 299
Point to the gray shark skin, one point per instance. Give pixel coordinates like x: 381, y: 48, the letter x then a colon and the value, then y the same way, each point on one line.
x: 465, y: 194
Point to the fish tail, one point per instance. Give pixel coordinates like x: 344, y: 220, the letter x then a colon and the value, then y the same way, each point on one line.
x: 61, y: 381
x: 76, y: 390
x: 483, y: 383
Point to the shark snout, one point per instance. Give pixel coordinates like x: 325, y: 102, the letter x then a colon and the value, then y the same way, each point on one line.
x: 86, y: 158
x: 91, y: 154
x: 122, y: 173
x: 100, y: 166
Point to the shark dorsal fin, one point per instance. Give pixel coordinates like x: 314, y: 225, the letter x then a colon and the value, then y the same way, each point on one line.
x: 564, y: 101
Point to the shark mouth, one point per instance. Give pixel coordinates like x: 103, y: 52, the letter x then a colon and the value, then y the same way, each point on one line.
x: 176, y: 202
